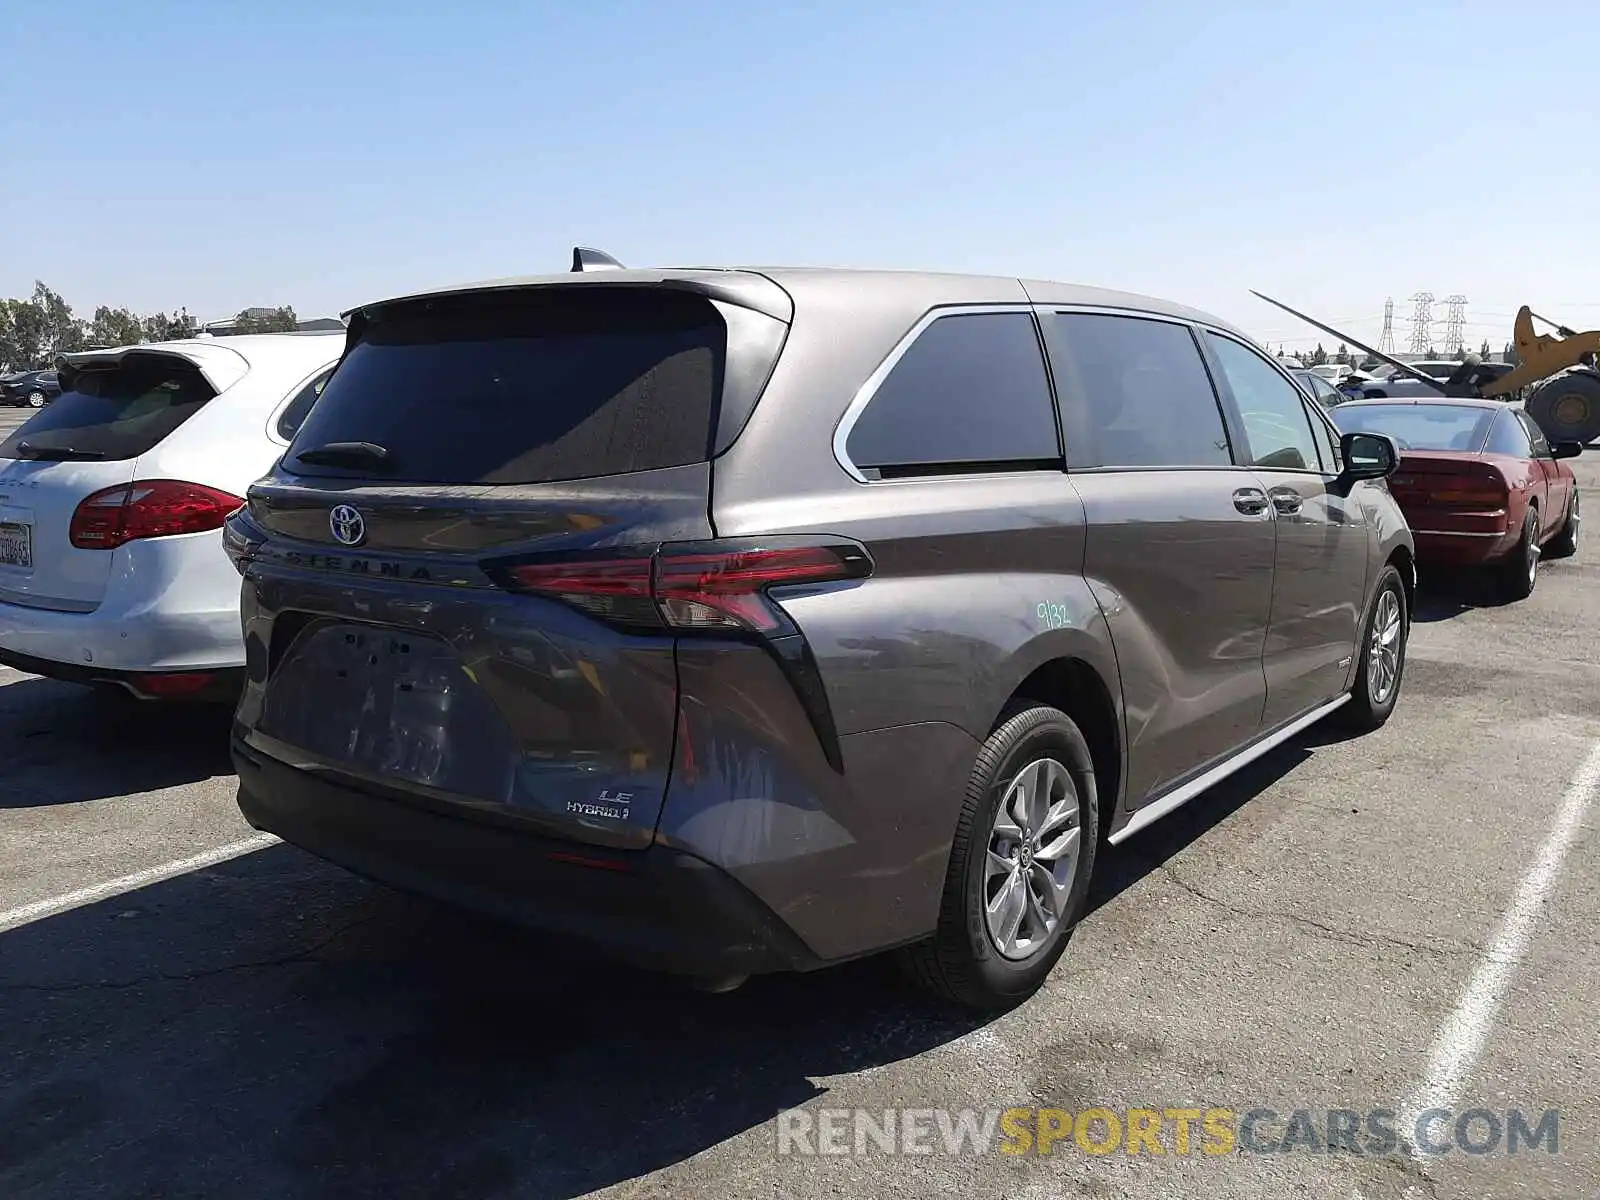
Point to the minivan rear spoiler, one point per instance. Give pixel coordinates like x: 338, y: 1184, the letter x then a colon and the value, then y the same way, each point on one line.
x: 745, y: 289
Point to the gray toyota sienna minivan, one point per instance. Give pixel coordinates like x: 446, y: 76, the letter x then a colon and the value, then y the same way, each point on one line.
x: 734, y: 621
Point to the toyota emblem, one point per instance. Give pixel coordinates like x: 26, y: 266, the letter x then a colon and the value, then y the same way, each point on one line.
x: 348, y: 525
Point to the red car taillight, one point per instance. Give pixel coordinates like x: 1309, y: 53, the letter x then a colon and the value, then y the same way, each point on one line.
x: 704, y: 586
x: 1473, y: 491
x: 150, y: 508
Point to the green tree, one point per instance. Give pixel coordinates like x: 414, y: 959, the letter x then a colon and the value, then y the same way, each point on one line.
x: 1342, y: 356
x: 115, y: 327
x: 62, y: 332
x: 12, y: 352
x: 1461, y: 354
x: 1484, y: 351
x: 272, y: 320
x: 1318, y: 356
x: 34, y: 331
x: 170, y: 327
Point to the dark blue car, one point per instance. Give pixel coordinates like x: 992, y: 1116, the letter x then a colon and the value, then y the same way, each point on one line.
x: 29, y: 389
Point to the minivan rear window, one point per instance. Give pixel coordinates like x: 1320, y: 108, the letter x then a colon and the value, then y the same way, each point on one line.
x: 534, y: 387
x: 114, y: 411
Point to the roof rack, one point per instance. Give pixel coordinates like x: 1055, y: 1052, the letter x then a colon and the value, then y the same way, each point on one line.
x: 585, y: 258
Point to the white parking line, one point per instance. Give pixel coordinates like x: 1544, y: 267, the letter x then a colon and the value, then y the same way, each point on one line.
x: 1461, y: 1038
x: 56, y: 905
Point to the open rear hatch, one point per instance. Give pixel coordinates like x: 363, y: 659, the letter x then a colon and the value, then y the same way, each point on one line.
x: 450, y: 575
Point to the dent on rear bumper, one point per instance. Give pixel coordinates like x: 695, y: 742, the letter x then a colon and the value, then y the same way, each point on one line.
x: 171, y: 604
x: 190, y: 641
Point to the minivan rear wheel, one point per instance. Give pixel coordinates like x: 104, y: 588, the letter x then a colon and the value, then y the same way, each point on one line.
x: 1020, y: 864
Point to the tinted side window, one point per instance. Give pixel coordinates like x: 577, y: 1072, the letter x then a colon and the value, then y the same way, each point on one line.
x: 295, y: 412
x: 1275, y: 420
x: 1507, y: 436
x: 1135, y: 393
x: 971, y: 391
x: 1541, y: 446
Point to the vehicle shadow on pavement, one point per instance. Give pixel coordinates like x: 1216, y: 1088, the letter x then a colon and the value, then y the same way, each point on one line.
x: 64, y: 744
x: 1448, y: 594
x: 1117, y: 868
x: 274, y: 1026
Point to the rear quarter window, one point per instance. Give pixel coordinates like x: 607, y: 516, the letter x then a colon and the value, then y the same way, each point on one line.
x: 1507, y: 436
x: 114, y: 412
x: 970, y: 393
x: 536, y: 388
x: 299, y: 408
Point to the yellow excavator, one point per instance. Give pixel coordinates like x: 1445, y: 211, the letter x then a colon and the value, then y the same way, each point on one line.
x: 1566, y: 401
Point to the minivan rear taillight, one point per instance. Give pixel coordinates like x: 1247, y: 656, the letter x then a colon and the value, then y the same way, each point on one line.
x: 692, y: 585
x: 149, y: 508
x: 718, y: 586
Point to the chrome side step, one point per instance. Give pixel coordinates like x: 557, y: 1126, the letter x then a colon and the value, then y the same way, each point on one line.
x: 1179, y: 796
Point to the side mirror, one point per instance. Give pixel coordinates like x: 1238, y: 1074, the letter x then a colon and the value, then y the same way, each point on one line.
x: 1368, y: 456
x: 1566, y: 449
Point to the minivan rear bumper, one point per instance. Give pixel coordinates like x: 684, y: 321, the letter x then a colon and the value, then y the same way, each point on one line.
x: 660, y: 909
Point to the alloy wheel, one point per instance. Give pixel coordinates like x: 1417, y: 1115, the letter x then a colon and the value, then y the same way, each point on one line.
x: 1383, y: 654
x: 1032, y: 859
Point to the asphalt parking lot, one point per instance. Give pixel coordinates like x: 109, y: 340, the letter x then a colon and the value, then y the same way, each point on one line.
x: 1348, y: 924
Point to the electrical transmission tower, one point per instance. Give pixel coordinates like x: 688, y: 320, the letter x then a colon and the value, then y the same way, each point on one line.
x: 1455, y: 319
x: 1422, y: 322
x: 1386, y: 341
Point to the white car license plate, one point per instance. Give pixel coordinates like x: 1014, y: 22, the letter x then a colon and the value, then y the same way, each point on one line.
x: 16, y: 545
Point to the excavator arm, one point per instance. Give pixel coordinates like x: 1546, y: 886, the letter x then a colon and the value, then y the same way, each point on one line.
x: 1539, y: 355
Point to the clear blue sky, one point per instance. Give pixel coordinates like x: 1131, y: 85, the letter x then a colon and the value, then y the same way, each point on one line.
x: 320, y: 154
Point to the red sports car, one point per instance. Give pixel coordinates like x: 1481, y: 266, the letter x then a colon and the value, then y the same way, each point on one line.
x: 1478, y: 482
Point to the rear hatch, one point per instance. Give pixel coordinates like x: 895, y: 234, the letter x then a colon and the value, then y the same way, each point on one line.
x: 74, y: 460
x: 449, y: 576
x: 1442, y: 468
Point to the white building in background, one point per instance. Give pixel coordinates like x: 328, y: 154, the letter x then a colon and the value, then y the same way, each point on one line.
x: 228, y: 325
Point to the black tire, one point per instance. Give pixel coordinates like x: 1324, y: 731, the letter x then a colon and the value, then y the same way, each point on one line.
x: 1567, y: 407
x: 1515, y: 578
x: 961, y: 962
x: 1565, y: 542
x: 1369, y: 706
